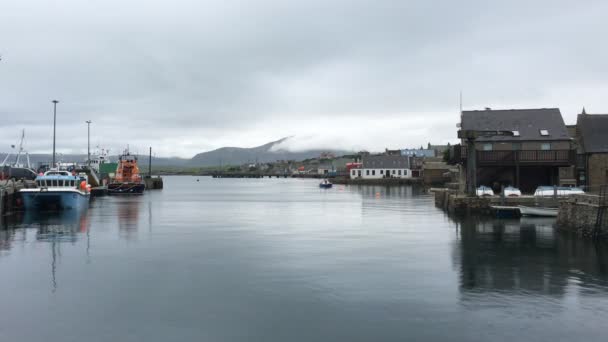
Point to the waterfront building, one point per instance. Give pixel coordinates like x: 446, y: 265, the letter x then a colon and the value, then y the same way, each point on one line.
x: 382, y: 166
x: 591, y: 136
x: 532, y: 156
x: 420, y: 153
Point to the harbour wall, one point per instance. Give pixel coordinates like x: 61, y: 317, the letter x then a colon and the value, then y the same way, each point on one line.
x: 457, y: 203
x: 579, y: 214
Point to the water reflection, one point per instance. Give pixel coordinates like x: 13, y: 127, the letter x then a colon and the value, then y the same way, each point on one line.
x: 526, y: 256
x: 55, y: 228
x: 128, y: 216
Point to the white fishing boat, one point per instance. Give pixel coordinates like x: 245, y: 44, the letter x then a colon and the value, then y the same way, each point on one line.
x: 98, y: 158
x: 538, y: 211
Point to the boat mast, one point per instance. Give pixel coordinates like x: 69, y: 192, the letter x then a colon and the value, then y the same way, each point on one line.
x: 20, y: 147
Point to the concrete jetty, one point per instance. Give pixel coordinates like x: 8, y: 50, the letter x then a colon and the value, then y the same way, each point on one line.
x: 10, y: 200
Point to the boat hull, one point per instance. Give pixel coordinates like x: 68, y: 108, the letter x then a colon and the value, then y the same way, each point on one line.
x: 538, y: 211
x: 54, y: 200
x: 325, y: 186
x: 126, y: 188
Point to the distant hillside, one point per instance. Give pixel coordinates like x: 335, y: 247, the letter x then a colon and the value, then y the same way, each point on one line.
x: 221, y: 156
x: 262, y: 154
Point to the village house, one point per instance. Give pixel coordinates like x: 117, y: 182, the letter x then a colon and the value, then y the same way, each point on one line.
x: 591, y: 135
x: 532, y: 155
x: 382, y: 166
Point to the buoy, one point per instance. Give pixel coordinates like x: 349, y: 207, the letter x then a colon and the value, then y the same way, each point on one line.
x: 83, y: 185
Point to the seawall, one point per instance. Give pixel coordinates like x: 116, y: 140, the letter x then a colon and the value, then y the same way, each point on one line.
x: 579, y: 214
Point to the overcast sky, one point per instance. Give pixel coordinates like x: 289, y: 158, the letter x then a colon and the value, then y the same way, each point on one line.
x: 186, y: 76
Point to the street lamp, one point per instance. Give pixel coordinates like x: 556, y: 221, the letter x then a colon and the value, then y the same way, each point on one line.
x: 89, y: 141
x: 54, y: 128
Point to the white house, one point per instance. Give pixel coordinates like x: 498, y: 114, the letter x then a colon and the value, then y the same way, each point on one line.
x: 377, y: 167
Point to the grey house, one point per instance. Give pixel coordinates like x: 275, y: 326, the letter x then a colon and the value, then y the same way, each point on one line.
x: 533, y: 156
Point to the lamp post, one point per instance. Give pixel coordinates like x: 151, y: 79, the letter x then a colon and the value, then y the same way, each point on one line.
x: 89, y: 142
x: 54, y: 128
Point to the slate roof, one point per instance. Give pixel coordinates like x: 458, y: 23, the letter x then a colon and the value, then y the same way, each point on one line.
x: 593, y: 132
x: 528, y: 122
x: 386, y: 162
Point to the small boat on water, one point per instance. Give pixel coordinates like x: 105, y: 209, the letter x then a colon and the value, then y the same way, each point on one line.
x: 57, y: 190
x: 325, y: 184
x: 127, y: 181
x: 538, y: 211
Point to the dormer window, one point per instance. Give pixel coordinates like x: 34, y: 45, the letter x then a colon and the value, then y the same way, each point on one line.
x: 544, y: 132
x: 515, y: 133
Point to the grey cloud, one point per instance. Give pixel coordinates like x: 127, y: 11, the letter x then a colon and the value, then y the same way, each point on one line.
x: 194, y: 75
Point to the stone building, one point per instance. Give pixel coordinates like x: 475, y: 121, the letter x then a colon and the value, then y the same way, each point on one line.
x: 592, y: 137
x: 536, y: 153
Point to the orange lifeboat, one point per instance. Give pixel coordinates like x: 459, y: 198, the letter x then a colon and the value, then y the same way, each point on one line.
x: 127, y: 179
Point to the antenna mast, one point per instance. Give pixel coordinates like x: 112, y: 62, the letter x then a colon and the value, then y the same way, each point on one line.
x: 20, y: 147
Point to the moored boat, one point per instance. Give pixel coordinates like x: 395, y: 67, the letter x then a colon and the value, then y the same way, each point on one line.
x: 57, y: 190
x: 538, y: 211
x: 127, y: 181
x: 325, y: 184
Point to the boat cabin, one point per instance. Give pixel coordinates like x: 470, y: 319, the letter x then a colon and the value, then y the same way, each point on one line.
x: 59, y: 179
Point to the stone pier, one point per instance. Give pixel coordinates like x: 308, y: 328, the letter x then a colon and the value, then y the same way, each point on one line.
x: 579, y: 214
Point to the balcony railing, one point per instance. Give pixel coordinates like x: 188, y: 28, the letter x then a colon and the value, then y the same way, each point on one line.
x: 513, y: 157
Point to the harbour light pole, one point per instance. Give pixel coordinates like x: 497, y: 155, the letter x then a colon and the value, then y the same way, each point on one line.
x: 54, y: 128
x: 89, y: 142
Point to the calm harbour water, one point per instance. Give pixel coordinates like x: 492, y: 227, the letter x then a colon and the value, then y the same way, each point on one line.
x: 281, y: 260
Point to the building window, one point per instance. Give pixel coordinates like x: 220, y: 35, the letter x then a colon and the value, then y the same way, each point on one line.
x: 352, y: 172
x: 373, y: 172
x: 381, y: 172
x: 394, y: 171
x: 359, y: 173
x: 545, y: 146
x: 544, y: 132
x: 487, y: 147
x: 399, y: 173
x: 516, y: 146
x: 367, y: 172
x: 515, y: 133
